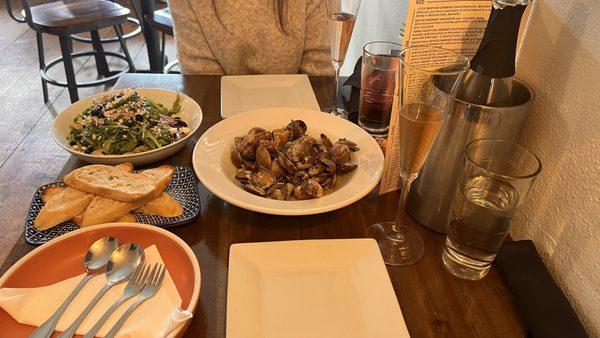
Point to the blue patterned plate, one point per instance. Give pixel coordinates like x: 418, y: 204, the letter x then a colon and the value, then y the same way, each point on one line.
x: 183, y: 188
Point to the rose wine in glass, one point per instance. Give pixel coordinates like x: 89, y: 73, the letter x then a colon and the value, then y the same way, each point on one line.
x: 341, y: 17
x: 419, y: 126
x: 341, y: 25
x: 428, y: 78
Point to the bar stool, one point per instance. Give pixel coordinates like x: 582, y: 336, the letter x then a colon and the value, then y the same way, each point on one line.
x: 135, y: 19
x: 131, y: 34
x: 67, y: 17
x: 11, y: 13
x: 161, y: 20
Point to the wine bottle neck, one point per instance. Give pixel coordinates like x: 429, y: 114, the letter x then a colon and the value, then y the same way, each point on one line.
x: 495, y: 57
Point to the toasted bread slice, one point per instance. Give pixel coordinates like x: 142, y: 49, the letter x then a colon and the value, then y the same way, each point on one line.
x: 61, y: 207
x: 117, y: 184
x: 106, y: 210
x: 50, y: 192
x: 78, y: 219
x: 129, y: 218
x: 161, y: 176
x: 127, y: 166
x: 164, y: 205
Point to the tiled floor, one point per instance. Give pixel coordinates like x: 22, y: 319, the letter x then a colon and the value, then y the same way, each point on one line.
x: 28, y: 156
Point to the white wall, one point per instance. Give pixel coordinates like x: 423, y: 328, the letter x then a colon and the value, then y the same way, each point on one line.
x: 561, y: 58
x: 376, y: 20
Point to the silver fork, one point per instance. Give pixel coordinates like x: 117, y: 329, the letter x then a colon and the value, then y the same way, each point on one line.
x: 151, y: 287
x: 135, y: 285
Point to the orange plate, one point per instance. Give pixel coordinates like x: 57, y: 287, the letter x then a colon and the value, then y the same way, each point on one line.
x: 62, y: 258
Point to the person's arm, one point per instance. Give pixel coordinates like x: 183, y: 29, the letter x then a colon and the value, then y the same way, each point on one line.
x: 316, y: 58
x: 193, y: 51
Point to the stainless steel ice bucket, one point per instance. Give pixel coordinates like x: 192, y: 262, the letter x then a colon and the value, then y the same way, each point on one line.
x: 430, y: 198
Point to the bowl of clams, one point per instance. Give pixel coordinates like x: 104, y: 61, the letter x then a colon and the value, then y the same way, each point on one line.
x: 288, y: 161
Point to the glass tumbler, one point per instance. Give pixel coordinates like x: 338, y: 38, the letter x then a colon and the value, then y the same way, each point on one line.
x: 378, y: 86
x: 496, y: 179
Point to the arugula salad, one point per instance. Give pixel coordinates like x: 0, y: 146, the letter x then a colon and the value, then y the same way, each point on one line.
x: 124, y: 122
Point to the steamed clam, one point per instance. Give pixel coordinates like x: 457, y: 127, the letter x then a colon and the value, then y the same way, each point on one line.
x: 244, y: 147
x: 281, y: 137
x: 263, y: 157
x: 340, y: 155
x: 297, y: 128
x: 286, y: 164
x: 313, y: 188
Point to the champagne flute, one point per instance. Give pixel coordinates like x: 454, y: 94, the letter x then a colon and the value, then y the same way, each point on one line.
x: 428, y: 78
x: 341, y: 16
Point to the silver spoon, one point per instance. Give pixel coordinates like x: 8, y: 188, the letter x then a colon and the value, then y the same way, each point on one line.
x: 94, y: 262
x: 122, y: 264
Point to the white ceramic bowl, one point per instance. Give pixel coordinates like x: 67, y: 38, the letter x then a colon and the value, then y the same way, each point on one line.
x: 191, y: 113
x: 212, y: 163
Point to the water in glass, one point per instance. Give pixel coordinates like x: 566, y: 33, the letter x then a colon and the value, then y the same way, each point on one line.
x: 482, y: 211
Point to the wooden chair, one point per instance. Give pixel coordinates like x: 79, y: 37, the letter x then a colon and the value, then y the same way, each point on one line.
x: 161, y: 20
x: 68, y: 17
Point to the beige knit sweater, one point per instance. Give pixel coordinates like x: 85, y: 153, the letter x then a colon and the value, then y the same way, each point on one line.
x: 247, y: 39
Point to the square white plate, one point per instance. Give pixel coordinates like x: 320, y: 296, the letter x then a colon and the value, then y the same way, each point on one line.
x: 248, y: 92
x: 314, y: 288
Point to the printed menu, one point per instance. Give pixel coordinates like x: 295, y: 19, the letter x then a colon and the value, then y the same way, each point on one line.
x: 454, y: 25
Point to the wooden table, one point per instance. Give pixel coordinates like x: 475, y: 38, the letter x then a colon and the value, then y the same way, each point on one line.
x: 434, y: 303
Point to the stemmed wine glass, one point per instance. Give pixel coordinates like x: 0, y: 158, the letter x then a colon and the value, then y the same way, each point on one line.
x: 428, y: 78
x: 341, y: 16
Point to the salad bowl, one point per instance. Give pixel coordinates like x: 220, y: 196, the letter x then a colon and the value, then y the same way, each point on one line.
x: 190, y: 113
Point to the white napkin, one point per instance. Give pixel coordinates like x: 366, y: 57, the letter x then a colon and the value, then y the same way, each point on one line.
x: 156, y: 317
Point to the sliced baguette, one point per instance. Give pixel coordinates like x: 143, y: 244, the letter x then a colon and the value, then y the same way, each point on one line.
x: 106, y: 210
x: 129, y: 218
x: 164, y: 205
x: 50, y: 192
x: 117, y: 184
x: 78, y: 219
x: 161, y: 176
x: 61, y: 207
x: 127, y: 166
